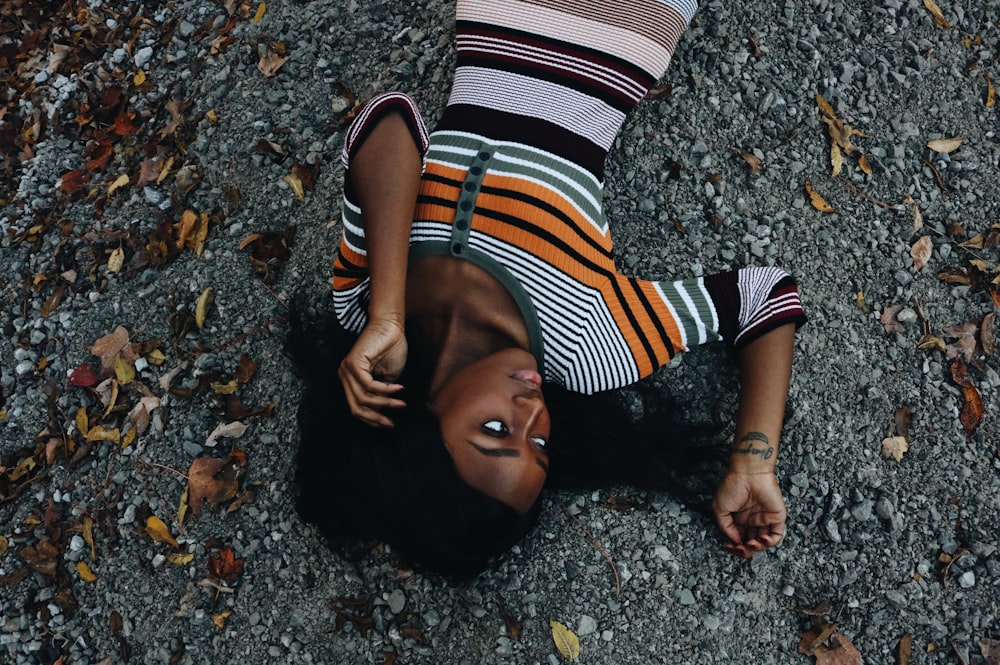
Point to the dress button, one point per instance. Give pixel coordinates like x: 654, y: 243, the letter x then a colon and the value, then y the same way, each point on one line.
x: 476, y: 170
x: 462, y: 225
x: 465, y: 205
x: 470, y: 186
x: 456, y: 248
x: 484, y: 156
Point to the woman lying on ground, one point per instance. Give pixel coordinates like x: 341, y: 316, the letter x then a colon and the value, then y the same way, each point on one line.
x: 476, y: 267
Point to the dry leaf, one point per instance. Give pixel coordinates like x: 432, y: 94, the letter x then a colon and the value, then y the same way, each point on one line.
x: 824, y: 107
x: 109, y: 347
x: 930, y: 342
x: 219, y: 620
x: 841, y: 651
x: 945, y: 145
x: 159, y: 531
x: 863, y: 165
x: 990, y: 649
x: 902, y: 419
x: 232, y: 430
x: 270, y: 63
x: 119, y: 182
x: 104, y: 433
x: 296, y: 184
x: 83, y: 376
x: 816, y: 200
x: 904, y: 650
x: 918, y: 219
x: 889, y: 320
x: 85, y: 573
x: 939, y: 19
x: 894, y: 447
x: 213, y: 479
x: 964, y: 346
x: 42, y: 558
x: 991, y: 92
x: 176, y: 118
x: 566, y: 640
x: 227, y: 388
x: 921, y: 252
x: 986, y: 335
x: 257, y: 17
x: 836, y: 159
x: 124, y: 370
x: 4, y: 544
x: 182, y: 507
x: 972, y: 408
x: 245, y: 369
x: 226, y: 567
x: 180, y: 558
x: 205, y: 301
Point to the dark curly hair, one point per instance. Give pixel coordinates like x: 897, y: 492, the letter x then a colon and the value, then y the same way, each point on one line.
x: 401, y: 486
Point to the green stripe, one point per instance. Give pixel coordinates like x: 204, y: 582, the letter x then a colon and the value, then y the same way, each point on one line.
x: 688, y: 319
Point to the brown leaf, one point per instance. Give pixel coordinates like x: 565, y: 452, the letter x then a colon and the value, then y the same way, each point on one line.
x: 296, y: 185
x: 939, y: 20
x: 986, y: 335
x: 904, y: 650
x: 839, y: 652
x: 109, y: 347
x: 273, y: 150
x: 123, y: 124
x: 226, y: 567
x: 71, y: 181
x: 894, y: 447
x: 889, y: 321
x: 991, y: 92
x: 918, y: 219
x: 863, y: 165
x: 202, y: 307
x: 972, y: 408
x: 85, y: 573
x: 149, y: 170
x: 954, y: 275
x: 270, y: 63
x: 176, y: 118
x: 930, y: 342
x: 945, y: 145
x: 99, y: 153
x: 43, y: 557
x: 990, y: 649
x: 816, y: 200
x: 246, y: 369
x: 824, y: 107
x: 964, y: 346
x: 306, y: 175
x: 921, y: 252
x: 230, y: 430
x: 212, y: 479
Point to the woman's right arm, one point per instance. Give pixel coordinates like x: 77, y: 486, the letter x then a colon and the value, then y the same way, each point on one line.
x: 384, y: 179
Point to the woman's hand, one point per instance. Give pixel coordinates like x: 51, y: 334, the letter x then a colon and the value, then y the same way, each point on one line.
x: 367, y: 373
x: 750, y: 511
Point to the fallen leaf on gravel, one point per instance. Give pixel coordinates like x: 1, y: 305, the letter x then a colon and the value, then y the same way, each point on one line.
x: 863, y: 165
x: 986, y: 335
x: 270, y: 63
x: 964, y: 346
x: 112, y: 345
x: 296, y: 185
x: 972, y: 408
x: 175, y: 109
x: 954, y: 275
x: 894, y: 447
x: 566, y: 640
x: 273, y: 150
x: 180, y: 558
x: 816, y: 200
x: 921, y: 252
x: 931, y: 343
x: 124, y: 370
x: 991, y: 92
x: 71, y: 181
x: 889, y: 321
x: 232, y: 430
x: 247, y: 368
x: 990, y: 649
x: 945, y: 145
x: 213, y: 479
x: 902, y: 419
x: 159, y: 531
x: 139, y: 416
x: 939, y: 19
x: 918, y: 219
x: 115, y: 261
x: 205, y: 301
x: 118, y: 183
x: 87, y: 531
x: 85, y: 573
x: 104, y: 433
x: 257, y: 17
x: 227, y: 388
x: 219, y: 620
x: 904, y: 649
x: 83, y: 376
x: 841, y: 651
x: 226, y: 567
x: 43, y: 557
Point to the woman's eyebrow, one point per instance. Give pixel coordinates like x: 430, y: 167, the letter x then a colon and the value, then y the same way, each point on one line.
x: 495, y: 452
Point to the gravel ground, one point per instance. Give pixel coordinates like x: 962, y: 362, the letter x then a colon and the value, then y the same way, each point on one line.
x: 892, y: 547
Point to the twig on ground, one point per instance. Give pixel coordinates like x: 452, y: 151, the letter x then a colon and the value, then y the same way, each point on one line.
x: 585, y: 533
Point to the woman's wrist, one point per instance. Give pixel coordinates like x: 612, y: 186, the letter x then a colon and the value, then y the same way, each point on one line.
x: 753, y: 453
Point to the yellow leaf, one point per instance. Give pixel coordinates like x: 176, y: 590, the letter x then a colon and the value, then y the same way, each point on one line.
x: 223, y: 388
x: 261, y: 8
x: 82, y: 421
x: 103, y: 433
x: 124, y: 370
x: 139, y: 78
x: 566, y: 640
x: 86, y: 574
x: 3, y: 545
x: 200, y: 234
x: 212, y: 116
x: 88, y: 535
x: 816, y: 200
x: 165, y: 169
x: 115, y: 261
x: 159, y: 531
x: 156, y: 357
x: 939, y: 19
x: 861, y: 302
x: 180, y: 558
x: 296, y: 184
x: 836, y: 159
x: 219, y: 620
x: 205, y: 301
x: 824, y: 107
x: 121, y: 181
x: 863, y: 163
x: 945, y: 145
x: 182, y: 506
x: 129, y: 438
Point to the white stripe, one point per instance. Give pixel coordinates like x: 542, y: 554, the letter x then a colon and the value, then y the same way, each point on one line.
x: 601, y: 225
x: 575, y: 111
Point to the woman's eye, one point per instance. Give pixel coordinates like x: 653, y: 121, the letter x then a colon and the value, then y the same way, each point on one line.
x: 495, y: 427
x: 539, y: 441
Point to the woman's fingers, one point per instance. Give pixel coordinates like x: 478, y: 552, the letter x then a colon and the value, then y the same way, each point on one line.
x: 366, y: 397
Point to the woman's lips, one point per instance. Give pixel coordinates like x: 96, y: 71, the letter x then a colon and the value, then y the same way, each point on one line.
x: 528, y: 377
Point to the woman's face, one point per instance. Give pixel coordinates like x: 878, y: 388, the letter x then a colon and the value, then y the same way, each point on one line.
x: 495, y: 425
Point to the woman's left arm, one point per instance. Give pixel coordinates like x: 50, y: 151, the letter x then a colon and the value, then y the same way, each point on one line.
x: 748, y: 504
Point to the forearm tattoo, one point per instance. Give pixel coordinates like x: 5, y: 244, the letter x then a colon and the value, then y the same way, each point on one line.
x: 755, y: 444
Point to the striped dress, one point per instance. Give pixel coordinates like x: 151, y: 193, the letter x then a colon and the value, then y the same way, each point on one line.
x: 513, y: 179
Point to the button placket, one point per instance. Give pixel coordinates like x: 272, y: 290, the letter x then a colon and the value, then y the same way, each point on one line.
x: 467, y: 200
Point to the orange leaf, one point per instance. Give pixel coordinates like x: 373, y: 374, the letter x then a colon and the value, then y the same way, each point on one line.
x: 72, y: 181
x: 816, y: 200
x: 123, y: 123
x: 972, y: 408
x: 226, y: 567
x: 939, y: 19
x: 213, y: 479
